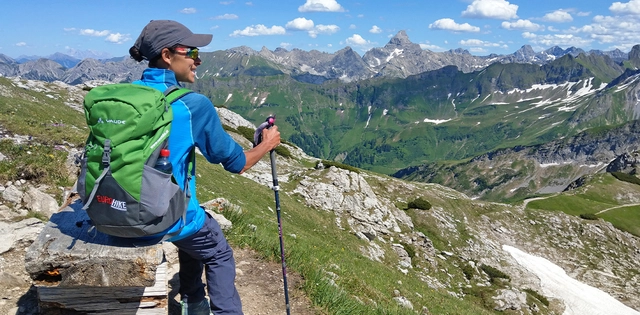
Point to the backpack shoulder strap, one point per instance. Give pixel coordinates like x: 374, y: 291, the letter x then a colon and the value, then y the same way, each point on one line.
x: 173, y: 93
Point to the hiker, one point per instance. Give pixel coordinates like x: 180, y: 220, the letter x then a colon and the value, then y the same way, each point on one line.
x: 172, y: 52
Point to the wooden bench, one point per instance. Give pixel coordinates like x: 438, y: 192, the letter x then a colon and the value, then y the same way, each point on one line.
x: 78, y: 270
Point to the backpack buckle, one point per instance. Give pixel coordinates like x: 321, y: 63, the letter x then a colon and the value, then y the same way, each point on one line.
x: 106, y: 154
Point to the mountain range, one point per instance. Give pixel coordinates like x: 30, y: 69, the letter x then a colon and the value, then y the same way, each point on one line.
x: 398, y: 58
x: 402, y: 110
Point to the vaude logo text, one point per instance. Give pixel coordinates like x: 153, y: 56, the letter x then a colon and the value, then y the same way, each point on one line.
x: 115, y: 204
x: 111, y: 121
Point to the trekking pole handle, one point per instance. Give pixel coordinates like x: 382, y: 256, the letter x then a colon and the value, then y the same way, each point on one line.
x: 257, y: 136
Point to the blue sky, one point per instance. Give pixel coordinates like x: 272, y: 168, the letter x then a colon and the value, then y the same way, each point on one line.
x: 43, y: 27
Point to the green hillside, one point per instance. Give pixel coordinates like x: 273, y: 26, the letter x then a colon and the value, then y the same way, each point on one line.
x: 317, y: 245
x: 604, y: 197
x: 385, y: 125
x: 458, y: 269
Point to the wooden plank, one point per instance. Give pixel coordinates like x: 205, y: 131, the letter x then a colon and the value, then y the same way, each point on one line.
x: 68, y: 253
x: 107, y: 300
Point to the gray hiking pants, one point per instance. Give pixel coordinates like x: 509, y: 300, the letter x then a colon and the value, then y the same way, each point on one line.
x: 208, y: 249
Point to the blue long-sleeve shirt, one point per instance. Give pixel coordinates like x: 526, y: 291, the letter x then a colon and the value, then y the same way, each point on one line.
x: 195, y: 123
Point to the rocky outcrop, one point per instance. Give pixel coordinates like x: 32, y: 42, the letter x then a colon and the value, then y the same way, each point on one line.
x: 625, y: 163
x: 353, y: 201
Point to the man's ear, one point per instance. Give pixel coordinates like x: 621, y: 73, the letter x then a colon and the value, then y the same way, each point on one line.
x: 166, y: 55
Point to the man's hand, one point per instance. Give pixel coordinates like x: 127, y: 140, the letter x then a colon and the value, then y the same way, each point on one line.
x: 270, y: 140
x: 270, y: 137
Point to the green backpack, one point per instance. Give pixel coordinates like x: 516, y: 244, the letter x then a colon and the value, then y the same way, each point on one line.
x: 122, y: 193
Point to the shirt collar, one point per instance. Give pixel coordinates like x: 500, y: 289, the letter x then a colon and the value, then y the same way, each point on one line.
x: 159, y: 76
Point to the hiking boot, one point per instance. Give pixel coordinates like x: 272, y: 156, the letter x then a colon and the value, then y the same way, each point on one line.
x: 199, y: 308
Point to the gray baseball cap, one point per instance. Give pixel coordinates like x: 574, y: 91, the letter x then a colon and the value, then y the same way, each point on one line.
x: 159, y: 34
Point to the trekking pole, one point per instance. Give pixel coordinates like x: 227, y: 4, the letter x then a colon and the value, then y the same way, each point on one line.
x: 257, y: 137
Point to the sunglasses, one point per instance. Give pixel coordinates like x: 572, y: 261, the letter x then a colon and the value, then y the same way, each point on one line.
x: 189, y: 52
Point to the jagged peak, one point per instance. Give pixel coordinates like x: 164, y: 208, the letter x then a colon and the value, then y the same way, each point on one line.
x: 459, y: 51
x: 244, y: 50
x: 526, y: 49
x: 635, y: 52
x: 7, y: 59
x: 400, y: 39
x: 344, y: 50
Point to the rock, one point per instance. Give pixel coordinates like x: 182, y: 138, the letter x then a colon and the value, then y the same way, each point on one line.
x: 405, y: 260
x: 346, y: 192
x: 6, y: 230
x: 10, y: 281
x: 512, y: 299
x: 222, y: 221
x: 373, y: 252
x: 12, y: 194
x: 404, y: 302
x: 7, y: 214
x: 40, y: 202
x: 26, y: 231
x: 230, y: 118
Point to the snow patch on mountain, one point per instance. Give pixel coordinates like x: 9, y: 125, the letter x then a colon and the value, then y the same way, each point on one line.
x: 579, y: 298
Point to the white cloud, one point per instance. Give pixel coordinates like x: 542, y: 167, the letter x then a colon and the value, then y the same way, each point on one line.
x: 285, y: 45
x: 357, y: 40
x: 21, y: 44
x: 90, y: 32
x: 431, y: 47
x: 375, y: 30
x: 558, y: 16
x: 258, y: 30
x: 321, y: 6
x: 525, y: 25
x: 300, y: 24
x: 565, y: 40
x: 491, y: 9
x: 225, y: 16
x: 479, y: 43
x: 117, y: 38
x: 477, y: 50
x: 323, y: 29
x: 631, y: 8
x: 450, y: 25
x: 188, y: 10
x: 352, y: 27
x: 623, y: 30
x: 69, y: 29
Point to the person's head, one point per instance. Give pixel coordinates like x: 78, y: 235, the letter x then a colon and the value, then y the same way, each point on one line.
x: 170, y: 45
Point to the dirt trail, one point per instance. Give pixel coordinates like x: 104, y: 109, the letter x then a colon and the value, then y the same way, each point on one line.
x: 616, y: 207
x: 260, y: 286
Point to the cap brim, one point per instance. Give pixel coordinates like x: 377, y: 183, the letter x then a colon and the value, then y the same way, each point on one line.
x: 197, y: 40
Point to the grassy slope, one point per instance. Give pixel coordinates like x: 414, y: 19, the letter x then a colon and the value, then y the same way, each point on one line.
x: 314, y: 244
x: 316, y: 248
x: 604, y: 192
